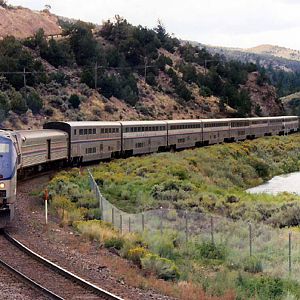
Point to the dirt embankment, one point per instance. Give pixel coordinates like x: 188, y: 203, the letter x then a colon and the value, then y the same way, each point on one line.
x: 23, y: 22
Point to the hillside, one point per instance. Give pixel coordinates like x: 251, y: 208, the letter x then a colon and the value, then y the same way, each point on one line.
x: 291, y: 103
x: 141, y: 74
x: 280, y: 58
x: 22, y: 22
x: 275, y: 51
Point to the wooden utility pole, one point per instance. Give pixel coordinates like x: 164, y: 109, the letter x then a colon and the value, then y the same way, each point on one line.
x: 25, y: 87
x: 96, y: 75
x: 146, y: 62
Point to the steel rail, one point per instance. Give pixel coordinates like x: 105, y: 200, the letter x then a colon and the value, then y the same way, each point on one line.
x: 88, y: 285
x: 29, y: 281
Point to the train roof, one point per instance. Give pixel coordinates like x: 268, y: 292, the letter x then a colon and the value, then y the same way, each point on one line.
x: 141, y: 123
x: 40, y: 133
x: 215, y: 120
x: 183, y: 121
x: 87, y: 123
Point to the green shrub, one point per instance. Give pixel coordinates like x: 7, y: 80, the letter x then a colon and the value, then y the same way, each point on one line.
x: 136, y: 254
x: 209, y: 250
x: 114, y: 242
x: 93, y: 214
x: 163, y: 245
x: 34, y: 101
x: 260, y: 287
x: 252, y: 265
x: 161, y: 267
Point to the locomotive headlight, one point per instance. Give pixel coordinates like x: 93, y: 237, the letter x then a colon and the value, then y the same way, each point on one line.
x: 2, y: 185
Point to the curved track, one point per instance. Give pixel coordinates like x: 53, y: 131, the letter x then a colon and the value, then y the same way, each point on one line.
x: 44, y: 275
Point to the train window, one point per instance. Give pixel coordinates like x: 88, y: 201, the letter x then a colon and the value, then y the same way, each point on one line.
x: 101, y: 147
x: 180, y: 141
x: 139, y: 145
x: 143, y: 128
x: 94, y: 130
x: 102, y: 130
x: 90, y: 131
x: 80, y: 131
x: 114, y: 130
x: 75, y: 131
x: 90, y: 150
x: 106, y: 130
x: 85, y: 131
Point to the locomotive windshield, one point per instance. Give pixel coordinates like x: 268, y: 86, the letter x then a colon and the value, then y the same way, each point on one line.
x: 7, y: 159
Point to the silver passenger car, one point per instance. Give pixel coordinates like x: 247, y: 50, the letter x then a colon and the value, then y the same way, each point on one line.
x: 276, y: 126
x: 291, y: 124
x: 39, y: 147
x: 141, y: 137
x: 184, y: 133
x: 259, y: 127
x: 215, y: 131
x: 239, y: 129
x: 90, y: 141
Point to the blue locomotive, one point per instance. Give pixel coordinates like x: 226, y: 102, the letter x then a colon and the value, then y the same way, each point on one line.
x: 8, y: 177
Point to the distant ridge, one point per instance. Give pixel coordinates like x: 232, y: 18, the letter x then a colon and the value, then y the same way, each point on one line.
x: 275, y: 51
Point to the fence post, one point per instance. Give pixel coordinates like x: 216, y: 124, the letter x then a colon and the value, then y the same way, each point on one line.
x: 212, y: 229
x: 186, y: 227
x: 143, y: 222
x: 101, y: 204
x: 250, y: 239
x: 161, y: 221
x: 290, y: 253
x: 129, y: 224
x: 121, y: 224
x: 113, y: 216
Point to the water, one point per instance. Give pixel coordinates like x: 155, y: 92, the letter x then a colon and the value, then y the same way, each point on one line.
x: 284, y: 183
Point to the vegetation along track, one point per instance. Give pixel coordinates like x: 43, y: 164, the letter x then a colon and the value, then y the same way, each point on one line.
x: 52, y: 280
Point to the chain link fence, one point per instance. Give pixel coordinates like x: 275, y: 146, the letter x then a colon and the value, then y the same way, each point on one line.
x: 277, y: 249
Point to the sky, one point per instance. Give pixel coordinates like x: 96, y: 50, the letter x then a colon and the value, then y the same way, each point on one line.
x: 231, y: 23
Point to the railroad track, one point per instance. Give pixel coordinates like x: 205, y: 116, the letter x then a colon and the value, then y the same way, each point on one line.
x: 43, y: 275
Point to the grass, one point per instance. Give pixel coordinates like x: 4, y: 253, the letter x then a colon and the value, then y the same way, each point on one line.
x: 205, y: 180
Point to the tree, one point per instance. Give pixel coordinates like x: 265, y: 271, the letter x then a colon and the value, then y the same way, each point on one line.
x: 4, y: 104
x: 33, y: 100
x: 3, y: 3
x: 13, y: 57
x: 58, y: 53
x: 47, y: 7
x: 18, y: 103
x: 74, y: 100
x: 83, y: 44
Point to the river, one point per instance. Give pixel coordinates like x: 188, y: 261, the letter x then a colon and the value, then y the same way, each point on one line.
x: 284, y: 183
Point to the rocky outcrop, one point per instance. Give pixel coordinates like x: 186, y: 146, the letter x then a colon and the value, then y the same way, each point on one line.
x: 263, y: 97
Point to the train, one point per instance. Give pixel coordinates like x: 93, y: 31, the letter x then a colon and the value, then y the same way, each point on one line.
x: 61, y: 144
